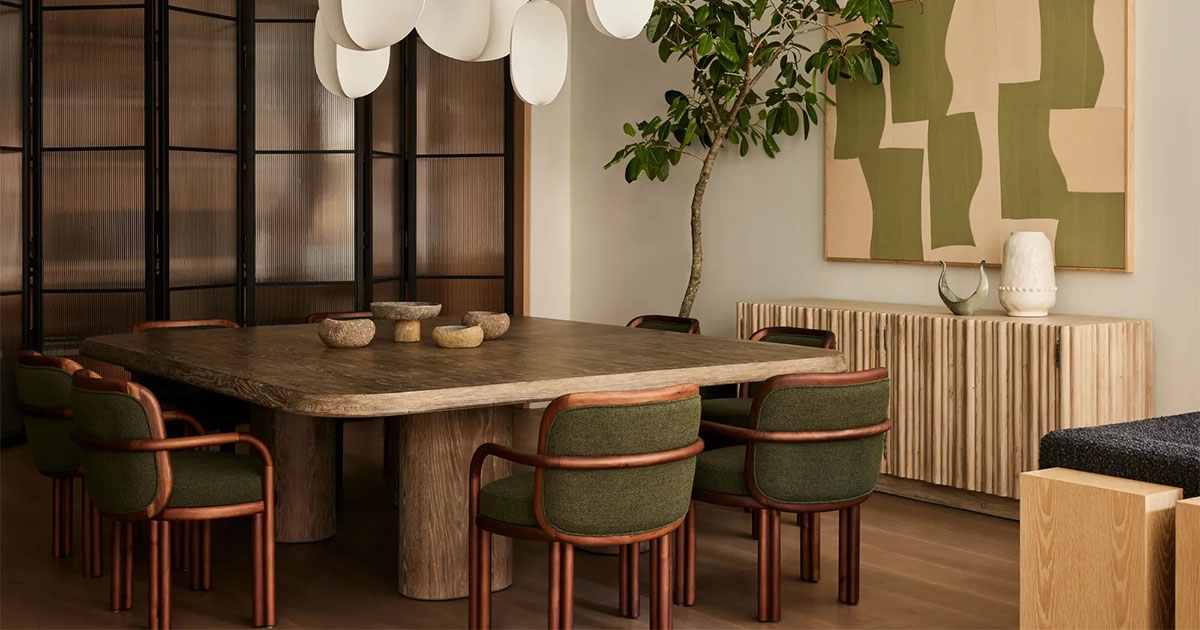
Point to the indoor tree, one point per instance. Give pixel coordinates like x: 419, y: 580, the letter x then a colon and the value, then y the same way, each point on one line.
x: 731, y: 45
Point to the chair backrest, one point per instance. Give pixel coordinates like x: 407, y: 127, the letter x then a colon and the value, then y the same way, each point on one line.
x: 811, y: 337
x: 826, y: 471
x: 320, y: 317
x: 44, y: 394
x: 184, y: 323
x: 669, y: 323
x: 114, y: 413
x: 617, y: 501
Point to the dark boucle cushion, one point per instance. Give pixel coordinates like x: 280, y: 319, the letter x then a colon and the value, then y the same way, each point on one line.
x: 1160, y: 450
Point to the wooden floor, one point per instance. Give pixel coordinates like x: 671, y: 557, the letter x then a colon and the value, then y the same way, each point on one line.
x: 924, y: 566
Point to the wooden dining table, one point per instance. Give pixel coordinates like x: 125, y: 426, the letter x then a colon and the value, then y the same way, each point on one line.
x: 449, y: 401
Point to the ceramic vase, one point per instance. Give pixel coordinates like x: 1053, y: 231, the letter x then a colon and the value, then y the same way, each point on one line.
x: 1027, y: 286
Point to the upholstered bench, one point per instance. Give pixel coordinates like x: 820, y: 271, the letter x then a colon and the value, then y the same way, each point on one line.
x: 1162, y: 450
x: 1098, y: 525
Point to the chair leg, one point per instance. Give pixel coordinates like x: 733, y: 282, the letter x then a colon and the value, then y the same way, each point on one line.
x: 256, y: 541
x: 568, y: 587
x: 810, y: 546
x: 68, y: 515
x: 85, y: 531
x: 116, y: 594
x: 55, y: 517
x: 269, y: 554
x: 848, y: 554
x: 689, y: 550
x: 164, y: 575
x: 206, y: 555
x: 769, y: 581
x: 484, y: 579
x: 554, y: 606
x: 628, y: 587
x: 660, y: 583
x: 755, y: 517
x: 97, y: 538
x: 338, y: 455
x: 776, y: 556
x: 127, y: 567
x: 153, y: 608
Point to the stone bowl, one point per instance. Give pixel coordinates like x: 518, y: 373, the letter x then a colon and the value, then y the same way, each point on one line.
x: 346, y: 333
x: 493, y: 324
x: 405, y: 311
x: 458, y: 336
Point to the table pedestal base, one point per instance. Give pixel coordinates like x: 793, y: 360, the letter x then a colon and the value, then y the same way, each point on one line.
x: 433, y: 454
x: 303, y: 450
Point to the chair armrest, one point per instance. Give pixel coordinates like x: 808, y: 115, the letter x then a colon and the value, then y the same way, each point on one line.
x: 175, y: 415
x: 833, y: 435
x: 173, y: 444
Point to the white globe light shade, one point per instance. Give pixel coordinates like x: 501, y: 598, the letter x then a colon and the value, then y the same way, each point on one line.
x: 347, y: 73
x: 370, y: 24
x: 539, y: 52
x: 623, y: 19
x: 499, y: 41
x: 456, y: 28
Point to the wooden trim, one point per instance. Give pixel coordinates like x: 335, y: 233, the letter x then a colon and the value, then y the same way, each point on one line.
x: 1187, y: 563
x: 692, y: 323
x: 183, y: 323
x: 521, y: 196
x: 211, y: 512
x: 319, y: 317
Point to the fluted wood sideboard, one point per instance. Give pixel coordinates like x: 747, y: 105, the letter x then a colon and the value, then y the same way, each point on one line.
x: 971, y: 396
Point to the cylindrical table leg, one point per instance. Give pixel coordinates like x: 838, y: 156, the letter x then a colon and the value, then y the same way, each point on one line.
x: 302, y: 448
x: 433, y: 453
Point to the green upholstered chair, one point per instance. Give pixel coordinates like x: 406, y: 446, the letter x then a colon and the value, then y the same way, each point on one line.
x: 612, y: 468
x: 666, y: 322
x: 44, y: 394
x: 814, y: 443
x: 215, y: 411
x: 134, y: 472
x: 735, y: 410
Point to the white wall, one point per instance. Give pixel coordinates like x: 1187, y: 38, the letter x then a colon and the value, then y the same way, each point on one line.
x: 550, y: 203
x: 629, y: 248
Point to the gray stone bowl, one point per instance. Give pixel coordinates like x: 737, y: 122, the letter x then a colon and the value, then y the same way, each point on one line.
x: 346, y: 333
x: 405, y: 311
x: 493, y: 324
x: 458, y: 336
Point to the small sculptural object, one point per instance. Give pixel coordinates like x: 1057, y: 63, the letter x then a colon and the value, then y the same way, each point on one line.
x: 969, y: 304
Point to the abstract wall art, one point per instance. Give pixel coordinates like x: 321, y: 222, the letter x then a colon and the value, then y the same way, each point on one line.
x: 1004, y: 115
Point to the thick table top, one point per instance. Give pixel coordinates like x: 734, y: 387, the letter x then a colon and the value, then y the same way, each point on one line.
x: 289, y: 368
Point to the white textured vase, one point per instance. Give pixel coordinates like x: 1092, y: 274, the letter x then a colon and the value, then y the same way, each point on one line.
x: 1027, y: 287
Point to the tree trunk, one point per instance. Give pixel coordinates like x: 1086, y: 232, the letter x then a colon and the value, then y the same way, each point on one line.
x: 693, y: 286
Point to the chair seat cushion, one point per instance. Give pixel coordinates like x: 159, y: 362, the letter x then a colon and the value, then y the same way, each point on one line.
x: 208, y: 478
x: 1162, y: 450
x: 731, y: 411
x: 509, y: 500
x: 722, y: 470
x: 50, y: 440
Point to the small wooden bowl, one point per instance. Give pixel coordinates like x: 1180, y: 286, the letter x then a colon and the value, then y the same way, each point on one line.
x: 493, y: 324
x: 346, y: 333
x: 458, y: 336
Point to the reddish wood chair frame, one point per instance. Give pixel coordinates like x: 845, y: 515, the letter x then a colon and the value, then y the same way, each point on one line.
x: 62, y: 483
x: 767, y: 510
x: 162, y: 517
x: 692, y: 323
x: 184, y: 323
x: 562, y: 546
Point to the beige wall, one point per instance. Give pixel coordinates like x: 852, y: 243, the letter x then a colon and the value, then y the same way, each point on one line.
x: 763, y: 219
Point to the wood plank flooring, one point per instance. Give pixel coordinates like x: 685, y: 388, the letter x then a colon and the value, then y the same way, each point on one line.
x: 924, y: 566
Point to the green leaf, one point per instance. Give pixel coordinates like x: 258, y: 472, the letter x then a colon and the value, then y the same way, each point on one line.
x: 629, y: 131
x: 632, y: 170
x: 704, y: 44
x: 728, y: 51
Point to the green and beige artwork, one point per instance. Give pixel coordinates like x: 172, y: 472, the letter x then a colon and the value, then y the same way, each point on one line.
x: 1003, y: 115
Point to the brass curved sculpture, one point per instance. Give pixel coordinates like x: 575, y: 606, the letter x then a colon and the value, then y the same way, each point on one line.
x: 969, y: 304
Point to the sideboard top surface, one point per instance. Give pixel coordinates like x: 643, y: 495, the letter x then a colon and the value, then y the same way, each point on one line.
x: 940, y: 311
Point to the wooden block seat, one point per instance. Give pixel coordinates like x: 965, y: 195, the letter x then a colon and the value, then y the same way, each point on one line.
x: 1163, y: 451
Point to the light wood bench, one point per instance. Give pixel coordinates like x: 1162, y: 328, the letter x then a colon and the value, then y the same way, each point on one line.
x: 1187, y: 564
x: 1096, y: 551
